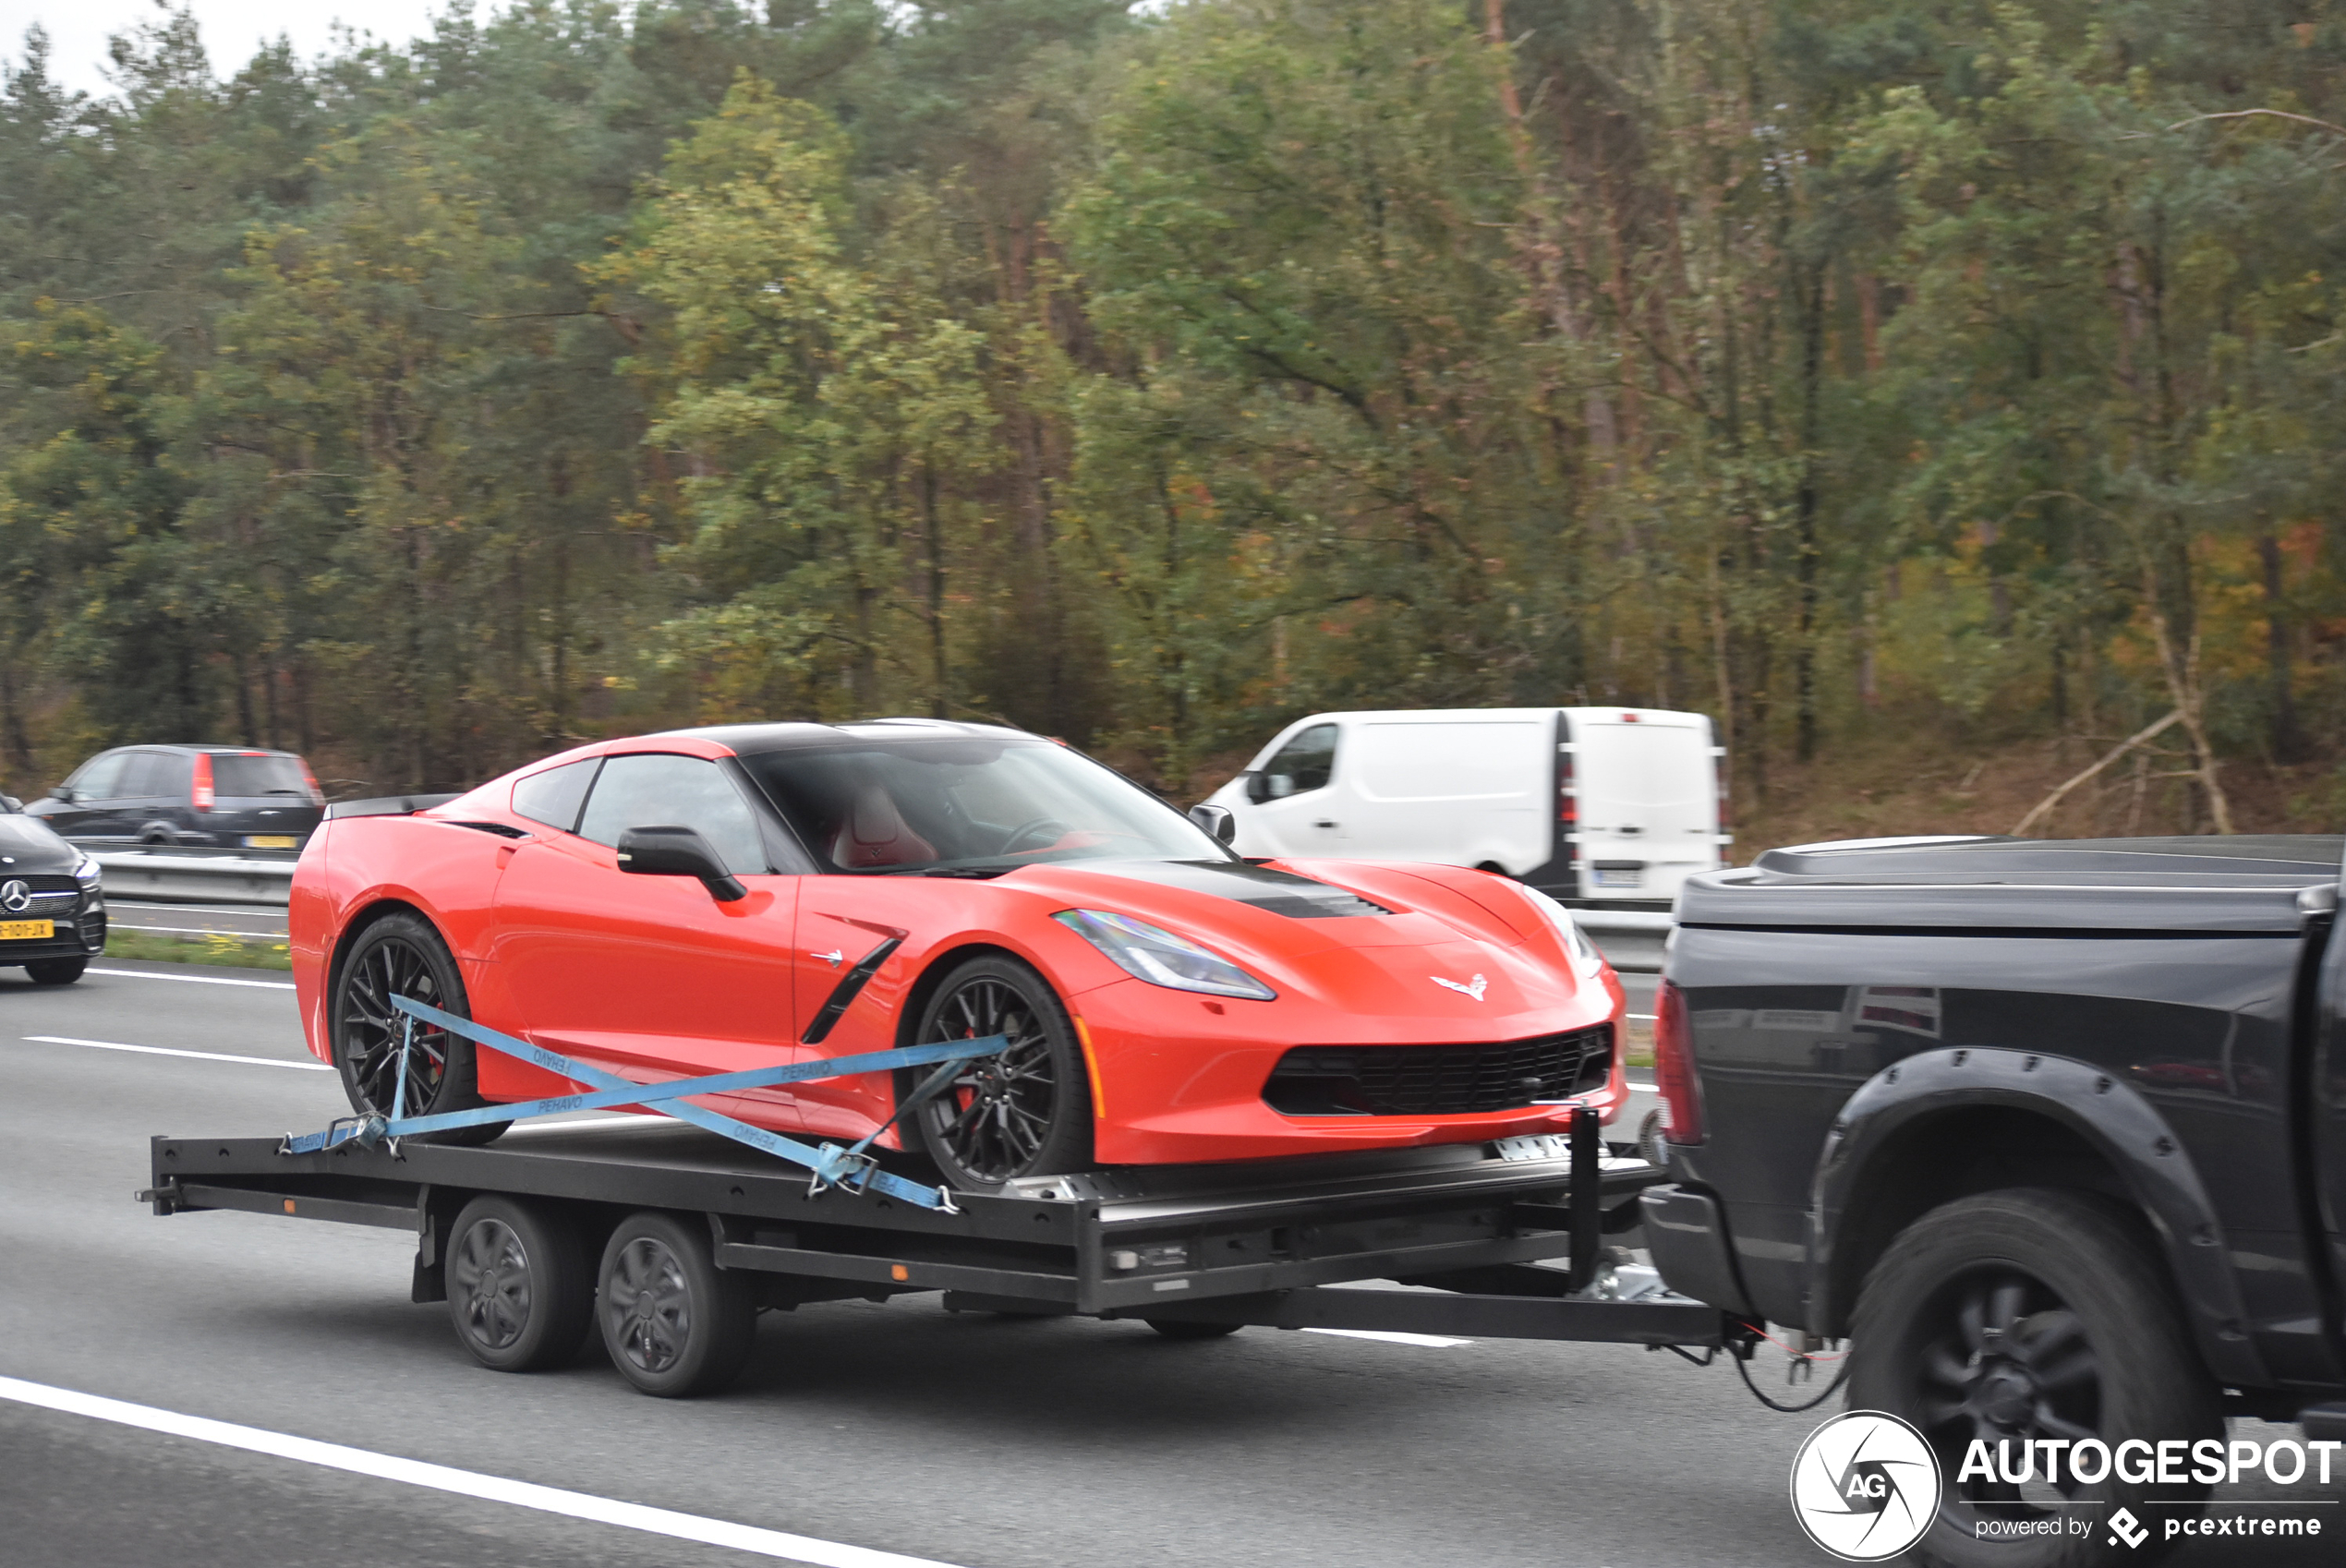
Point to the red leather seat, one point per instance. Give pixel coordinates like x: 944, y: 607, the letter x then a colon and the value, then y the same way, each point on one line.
x: 875, y: 833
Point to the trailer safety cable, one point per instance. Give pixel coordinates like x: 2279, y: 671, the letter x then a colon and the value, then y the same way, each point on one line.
x: 1803, y: 1365
x: 852, y: 1169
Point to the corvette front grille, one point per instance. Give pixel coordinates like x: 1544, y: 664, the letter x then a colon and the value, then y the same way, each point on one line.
x: 1438, y: 1080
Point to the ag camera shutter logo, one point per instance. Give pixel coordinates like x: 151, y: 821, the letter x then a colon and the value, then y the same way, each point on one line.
x: 1865, y: 1486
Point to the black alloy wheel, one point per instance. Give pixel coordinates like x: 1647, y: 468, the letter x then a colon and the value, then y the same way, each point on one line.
x: 520, y: 1293
x: 2023, y: 1315
x: 1026, y: 1112
x: 401, y: 955
x: 675, y: 1323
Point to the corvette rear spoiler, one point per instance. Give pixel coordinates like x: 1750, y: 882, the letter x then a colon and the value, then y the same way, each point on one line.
x: 387, y: 805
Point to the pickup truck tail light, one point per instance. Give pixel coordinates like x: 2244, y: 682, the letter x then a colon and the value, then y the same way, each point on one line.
x: 203, y: 795
x: 1673, y: 1068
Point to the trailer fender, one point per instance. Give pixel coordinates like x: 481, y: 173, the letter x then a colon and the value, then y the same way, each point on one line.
x: 2110, y: 1117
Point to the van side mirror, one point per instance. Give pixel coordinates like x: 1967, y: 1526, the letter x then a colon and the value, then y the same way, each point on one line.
x: 65, y: 792
x: 678, y: 851
x: 1218, y: 821
x: 1258, y: 787
x: 10, y: 803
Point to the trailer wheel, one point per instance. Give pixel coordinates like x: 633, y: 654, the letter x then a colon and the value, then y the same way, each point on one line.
x: 2020, y: 1315
x: 1178, y: 1328
x: 675, y: 1324
x: 1027, y: 1112
x: 401, y: 955
x: 521, y: 1291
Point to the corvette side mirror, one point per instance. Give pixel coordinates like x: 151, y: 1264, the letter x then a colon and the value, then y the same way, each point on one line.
x: 678, y: 851
x: 1218, y: 821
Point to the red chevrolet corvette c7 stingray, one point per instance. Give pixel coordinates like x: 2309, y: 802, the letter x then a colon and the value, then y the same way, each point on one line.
x: 716, y: 900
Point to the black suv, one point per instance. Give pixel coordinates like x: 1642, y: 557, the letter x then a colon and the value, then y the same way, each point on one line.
x: 231, y: 797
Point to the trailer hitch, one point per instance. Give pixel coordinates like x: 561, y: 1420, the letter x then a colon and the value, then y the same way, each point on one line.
x: 852, y: 1169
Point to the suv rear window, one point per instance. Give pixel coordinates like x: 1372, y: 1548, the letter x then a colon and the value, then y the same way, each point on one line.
x: 248, y: 776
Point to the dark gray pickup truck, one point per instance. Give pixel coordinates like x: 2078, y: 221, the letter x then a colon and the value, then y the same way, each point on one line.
x: 2053, y: 1133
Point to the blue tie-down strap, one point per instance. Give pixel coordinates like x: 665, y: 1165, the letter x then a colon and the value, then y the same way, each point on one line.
x: 831, y: 1166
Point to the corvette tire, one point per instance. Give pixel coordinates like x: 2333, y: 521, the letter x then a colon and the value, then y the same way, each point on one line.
x: 1027, y: 1112
x: 675, y: 1324
x: 521, y: 1286
x: 402, y: 955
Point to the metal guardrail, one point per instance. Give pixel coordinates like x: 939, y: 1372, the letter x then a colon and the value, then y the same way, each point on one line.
x: 218, y: 877
x: 1631, y: 940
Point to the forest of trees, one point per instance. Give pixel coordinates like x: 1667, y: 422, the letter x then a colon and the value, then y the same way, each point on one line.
x: 1149, y: 375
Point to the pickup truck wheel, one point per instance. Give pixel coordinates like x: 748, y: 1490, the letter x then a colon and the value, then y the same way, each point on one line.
x: 521, y: 1294
x: 675, y: 1324
x: 1027, y: 1112
x: 401, y: 955
x: 2018, y: 1316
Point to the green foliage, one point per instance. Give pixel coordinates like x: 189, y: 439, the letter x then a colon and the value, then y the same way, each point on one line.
x: 1149, y: 376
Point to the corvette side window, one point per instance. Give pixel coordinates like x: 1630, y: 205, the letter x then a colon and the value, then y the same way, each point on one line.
x: 554, y: 796
x: 662, y: 790
x: 1305, y: 763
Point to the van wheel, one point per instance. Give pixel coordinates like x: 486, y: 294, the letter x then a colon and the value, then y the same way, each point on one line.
x: 2022, y: 1315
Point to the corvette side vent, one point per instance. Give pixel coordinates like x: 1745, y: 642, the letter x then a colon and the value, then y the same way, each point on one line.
x: 1438, y: 1080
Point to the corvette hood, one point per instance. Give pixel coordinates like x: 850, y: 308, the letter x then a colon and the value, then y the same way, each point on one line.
x: 1392, y: 945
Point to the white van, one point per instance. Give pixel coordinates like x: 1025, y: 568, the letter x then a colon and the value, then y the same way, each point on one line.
x: 1610, y: 803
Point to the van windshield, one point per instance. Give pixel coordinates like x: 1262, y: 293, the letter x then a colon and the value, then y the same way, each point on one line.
x: 915, y: 805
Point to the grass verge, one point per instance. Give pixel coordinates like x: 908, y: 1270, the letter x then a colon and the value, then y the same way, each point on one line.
x: 217, y: 948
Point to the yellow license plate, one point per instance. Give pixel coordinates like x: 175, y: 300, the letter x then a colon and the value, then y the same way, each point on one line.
x: 269, y: 841
x: 27, y: 929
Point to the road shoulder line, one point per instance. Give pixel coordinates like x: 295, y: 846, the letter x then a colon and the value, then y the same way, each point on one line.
x: 465, y: 1483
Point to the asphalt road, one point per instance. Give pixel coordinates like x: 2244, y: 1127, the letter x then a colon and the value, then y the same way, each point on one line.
x: 967, y: 1440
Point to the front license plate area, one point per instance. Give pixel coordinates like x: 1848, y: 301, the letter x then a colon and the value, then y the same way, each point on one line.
x: 269, y: 841
x: 28, y: 930
x: 1619, y: 878
x: 1535, y: 1146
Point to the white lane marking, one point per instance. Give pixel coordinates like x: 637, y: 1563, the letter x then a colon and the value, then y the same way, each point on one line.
x: 1440, y: 1342
x: 1633, y: 1018
x: 594, y: 1121
x: 1642, y: 1087
x: 167, y: 1051
x: 196, y: 979
x: 465, y: 1483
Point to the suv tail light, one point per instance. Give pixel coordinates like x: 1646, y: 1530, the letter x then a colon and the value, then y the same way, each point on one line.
x: 1673, y: 1068
x: 316, y: 796
x: 203, y: 795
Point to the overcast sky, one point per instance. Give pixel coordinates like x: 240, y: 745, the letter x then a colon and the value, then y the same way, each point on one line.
x: 232, y: 29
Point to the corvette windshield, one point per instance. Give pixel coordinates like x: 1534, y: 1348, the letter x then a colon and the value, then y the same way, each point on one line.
x: 943, y: 804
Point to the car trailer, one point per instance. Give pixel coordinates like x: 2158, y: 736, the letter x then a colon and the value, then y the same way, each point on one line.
x: 670, y: 1236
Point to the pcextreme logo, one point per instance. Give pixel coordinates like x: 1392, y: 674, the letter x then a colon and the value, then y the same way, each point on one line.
x: 1865, y: 1486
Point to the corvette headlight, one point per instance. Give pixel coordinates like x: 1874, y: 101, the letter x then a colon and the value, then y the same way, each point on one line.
x: 1147, y: 952
x: 1586, y: 960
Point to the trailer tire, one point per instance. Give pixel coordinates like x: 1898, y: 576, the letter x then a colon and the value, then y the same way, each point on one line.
x: 521, y: 1289
x: 1179, y: 1328
x: 676, y: 1324
x: 2029, y: 1312
x: 400, y: 952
